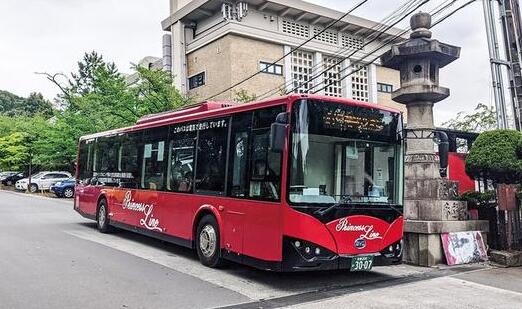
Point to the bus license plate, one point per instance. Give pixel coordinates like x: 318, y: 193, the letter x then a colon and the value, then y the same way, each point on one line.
x: 362, y: 263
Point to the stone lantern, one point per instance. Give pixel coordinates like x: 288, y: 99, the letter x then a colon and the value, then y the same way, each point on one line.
x: 430, y: 206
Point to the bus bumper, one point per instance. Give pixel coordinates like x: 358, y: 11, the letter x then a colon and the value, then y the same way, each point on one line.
x: 300, y: 259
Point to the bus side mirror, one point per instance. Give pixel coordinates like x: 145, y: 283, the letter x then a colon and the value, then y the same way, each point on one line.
x: 278, y: 133
x: 443, y: 143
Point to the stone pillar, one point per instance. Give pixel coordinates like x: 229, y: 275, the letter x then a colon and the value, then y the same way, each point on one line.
x: 430, y: 206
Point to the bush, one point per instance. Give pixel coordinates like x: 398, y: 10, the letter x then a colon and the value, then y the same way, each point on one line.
x: 495, y: 156
x: 478, y: 200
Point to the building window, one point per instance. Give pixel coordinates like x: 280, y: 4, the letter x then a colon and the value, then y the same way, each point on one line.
x: 302, y: 65
x: 270, y: 68
x: 197, y: 80
x: 327, y: 36
x: 360, y: 89
x: 296, y: 29
x: 351, y: 41
x: 332, y: 77
x: 384, y: 88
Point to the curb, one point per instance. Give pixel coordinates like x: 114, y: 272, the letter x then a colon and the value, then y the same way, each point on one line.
x: 63, y: 201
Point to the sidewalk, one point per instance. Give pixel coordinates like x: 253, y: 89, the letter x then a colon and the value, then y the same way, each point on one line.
x: 485, y: 288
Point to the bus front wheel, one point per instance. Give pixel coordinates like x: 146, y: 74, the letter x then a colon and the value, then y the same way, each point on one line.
x: 207, y: 242
x: 101, y: 217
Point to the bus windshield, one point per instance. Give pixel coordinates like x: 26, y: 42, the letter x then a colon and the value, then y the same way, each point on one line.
x: 344, y: 154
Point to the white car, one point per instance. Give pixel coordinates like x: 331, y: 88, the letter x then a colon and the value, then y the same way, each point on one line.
x: 41, y: 181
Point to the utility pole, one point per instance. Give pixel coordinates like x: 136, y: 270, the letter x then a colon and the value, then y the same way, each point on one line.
x: 496, y: 64
x: 510, y: 18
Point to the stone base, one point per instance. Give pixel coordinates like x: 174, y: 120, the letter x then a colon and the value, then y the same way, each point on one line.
x: 422, y: 242
x: 506, y: 258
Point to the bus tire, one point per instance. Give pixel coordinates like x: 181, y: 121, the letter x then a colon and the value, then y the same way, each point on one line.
x: 207, y: 242
x: 101, y: 216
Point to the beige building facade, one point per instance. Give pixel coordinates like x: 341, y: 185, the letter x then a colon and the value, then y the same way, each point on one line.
x: 215, y: 44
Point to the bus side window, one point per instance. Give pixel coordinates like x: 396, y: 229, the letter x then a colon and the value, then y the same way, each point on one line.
x: 211, y: 155
x: 181, y: 164
x: 153, y: 159
x: 239, y: 154
x: 128, y: 160
x: 265, y: 172
x: 85, y: 162
x: 265, y: 179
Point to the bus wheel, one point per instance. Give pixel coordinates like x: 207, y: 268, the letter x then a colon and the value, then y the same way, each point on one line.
x: 101, y: 216
x: 207, y: 242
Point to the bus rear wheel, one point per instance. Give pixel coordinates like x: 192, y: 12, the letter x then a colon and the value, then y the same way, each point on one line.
x: 207, y: 242
x: 101, y: 217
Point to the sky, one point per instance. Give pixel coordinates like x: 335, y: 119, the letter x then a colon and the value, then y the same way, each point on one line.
x: 52, y: 36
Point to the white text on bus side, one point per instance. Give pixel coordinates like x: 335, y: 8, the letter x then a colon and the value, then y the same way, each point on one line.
x: 149, y: 221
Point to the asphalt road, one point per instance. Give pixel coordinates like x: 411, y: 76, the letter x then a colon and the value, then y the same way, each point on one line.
x: 50, y: 257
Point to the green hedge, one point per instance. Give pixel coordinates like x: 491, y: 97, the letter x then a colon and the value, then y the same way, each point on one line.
x: 495, y: 155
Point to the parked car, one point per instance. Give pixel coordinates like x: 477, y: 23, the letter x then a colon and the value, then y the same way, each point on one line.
x: 11, y: 180
x: 64, y: 188
x: 41, y: 181
x: 4, y: 175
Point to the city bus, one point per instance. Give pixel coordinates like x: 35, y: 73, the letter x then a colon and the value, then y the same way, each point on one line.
x: 294, y: 183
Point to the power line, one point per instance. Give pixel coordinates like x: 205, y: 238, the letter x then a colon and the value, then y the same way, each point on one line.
x: 374, y: 39
x: 437, y: 10
x: 396, y: 37
x: 375, y: 29
x: 291, y: 51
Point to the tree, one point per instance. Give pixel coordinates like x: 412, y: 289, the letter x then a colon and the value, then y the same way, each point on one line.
x: 495, y: 156
x: 482, y: 119
x: 13, y: 151
x: 13, y: 105
x: 243, y: 96
x: 97, y: 98
x: 36, y: 104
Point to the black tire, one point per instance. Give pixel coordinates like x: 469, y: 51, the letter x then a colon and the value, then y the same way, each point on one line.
x: 209, y: 253
x: 9, y: 183
x: 33, y: 188
x: 101, y: 217
x: 68, y: 193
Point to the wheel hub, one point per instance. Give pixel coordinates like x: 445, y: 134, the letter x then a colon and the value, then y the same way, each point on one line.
x: 207, y: 240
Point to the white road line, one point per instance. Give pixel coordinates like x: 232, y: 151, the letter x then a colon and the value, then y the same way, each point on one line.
x: 252, y: 290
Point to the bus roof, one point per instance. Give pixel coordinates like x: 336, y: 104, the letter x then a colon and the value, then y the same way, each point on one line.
x: 217, y: 108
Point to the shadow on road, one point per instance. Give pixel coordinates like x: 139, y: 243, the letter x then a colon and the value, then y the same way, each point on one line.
x: 289, y: 282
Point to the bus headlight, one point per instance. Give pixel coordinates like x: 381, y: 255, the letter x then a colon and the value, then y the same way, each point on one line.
x: 310, y: 251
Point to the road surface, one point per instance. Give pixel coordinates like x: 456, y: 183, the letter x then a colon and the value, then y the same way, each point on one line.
x: 50, y: 257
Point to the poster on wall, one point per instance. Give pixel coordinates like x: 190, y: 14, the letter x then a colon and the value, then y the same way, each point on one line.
x: 464, y: 247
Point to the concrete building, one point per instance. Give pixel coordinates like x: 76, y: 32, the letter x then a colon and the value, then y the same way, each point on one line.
x: 215, y: 44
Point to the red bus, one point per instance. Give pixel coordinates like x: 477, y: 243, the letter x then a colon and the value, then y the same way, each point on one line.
x: 301, y: 182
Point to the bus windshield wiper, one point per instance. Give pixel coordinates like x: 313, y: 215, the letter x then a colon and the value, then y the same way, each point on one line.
x: 343, y: 199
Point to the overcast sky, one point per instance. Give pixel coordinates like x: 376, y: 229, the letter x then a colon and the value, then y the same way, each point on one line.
x: 52, y: 35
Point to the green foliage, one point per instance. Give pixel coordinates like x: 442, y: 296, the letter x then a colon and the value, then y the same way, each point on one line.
x: 13, y: 151
x: 94, y: 98
x: 494, y: 156
x: 242, y: 96
x: 13, y: 105
x: 479, y: 199
x: 483, y: 119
